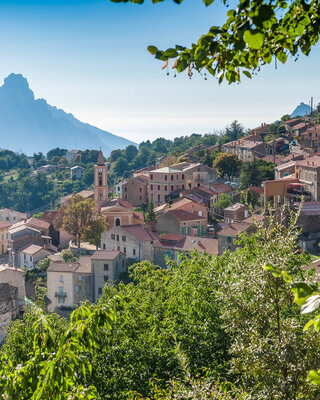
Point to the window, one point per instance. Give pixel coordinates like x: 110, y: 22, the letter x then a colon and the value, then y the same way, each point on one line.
x: 106, y: 278
x: 158, y: 197
x: 61, y: 300
x: 99, y: 290
x: 166, y: 177
x: 123, y: 263
x: 77, y: 289
x: 61, y: 279
x: 165, y: 188
x: 171, y: 177
x: 158, y: 187
x: 140, y: 190
x: 171, y: 188
x: 182, y: 186
x: 125, y: 197
x: 106, y: 267
x: 125, y: 250
x: 134, y: 252
x: 151, y: 186
x: 118, y: 238
x: 118, y: 248
x: 7, y: 235
x: 200, y: 213
x: 124, y: 238
x: 229, y: 239
x: 104, y: 246
x: 182, y: 176
x: 7, y: 218
x: 151, y: 177
x: 113, y: 236
x: 2, y: 237
x: 100, y: 176
x: 140, y: 197
x: 125, y: 189
x: 177, y: 177
x: 80, y: 277
x: 24, y: 257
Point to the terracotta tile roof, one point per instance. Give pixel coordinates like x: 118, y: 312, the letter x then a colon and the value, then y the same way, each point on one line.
x: 256, y: 189
x: 105, y: 255
x: 198, y: 198
x: 300, y: 125
x: 253, y: 218
x: 32, y: 249
x: 310, y: 162
x: 219, y: 188
x: 57, y: 266
x: 182, y: 215
x: 234, y: 229
x: 140, y: 232
x: 23, y: 215
x: 4, y: 224
x: 118, y: 202
x: 236, y: 206
x: 38, y: 223
x: 85, y: 265
x: 138, y: 215
x: 188, y: 243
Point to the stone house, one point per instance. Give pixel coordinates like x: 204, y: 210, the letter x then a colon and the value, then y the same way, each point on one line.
x: 235, y: 213
x: 30, y: 255
x: 8, y: 215
x: 228, y: 236
x: 182, y: 222
x: 135, y: 190
x: 283, y: 170
x: 184, y: 204
x: 135, y: 241
x: 76, y: 172
x: 70, y: 155
x: 106, y: 268
x: 47, y: 169
x: 178, y: 177
x: 308, y: 173
x: 12, y: 296
x: 69, y: 284
x: 310, y: 139
x: 4, y: 236
x: 246, y: 150
x: 170, y: 246
x: 119, y: 212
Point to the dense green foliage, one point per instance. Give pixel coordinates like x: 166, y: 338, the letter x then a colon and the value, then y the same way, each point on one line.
x: 255, y: 33
x: 253, y: 173
x: 223, y: 327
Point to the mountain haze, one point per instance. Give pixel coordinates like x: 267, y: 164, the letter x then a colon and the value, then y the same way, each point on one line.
x: 31, y: 125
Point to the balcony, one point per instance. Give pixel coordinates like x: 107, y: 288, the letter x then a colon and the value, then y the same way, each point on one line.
x: 60, y: 294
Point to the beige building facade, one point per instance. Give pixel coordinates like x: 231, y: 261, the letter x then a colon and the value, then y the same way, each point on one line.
x: 4, y: 236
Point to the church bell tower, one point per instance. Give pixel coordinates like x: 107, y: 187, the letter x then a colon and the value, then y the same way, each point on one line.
x: 100, y: 182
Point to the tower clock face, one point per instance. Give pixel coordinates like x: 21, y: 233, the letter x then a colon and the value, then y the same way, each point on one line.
x: 100, y: 170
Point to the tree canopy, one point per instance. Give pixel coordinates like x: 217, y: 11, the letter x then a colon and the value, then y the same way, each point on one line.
x: 254, y: 33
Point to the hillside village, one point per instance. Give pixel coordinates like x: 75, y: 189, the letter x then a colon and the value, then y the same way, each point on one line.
x: 198, y: 201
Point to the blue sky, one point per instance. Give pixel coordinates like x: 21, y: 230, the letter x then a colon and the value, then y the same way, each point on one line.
x: 90, y: 58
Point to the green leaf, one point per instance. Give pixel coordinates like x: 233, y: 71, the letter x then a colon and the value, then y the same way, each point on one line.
x: 152, y: 49
x: 307, y: 326
x: 247, y: 74
x: 254, y: 39
x: 208, y: 2
x: 281, y: 56
x: 314, y: 377
x: 286, y: 276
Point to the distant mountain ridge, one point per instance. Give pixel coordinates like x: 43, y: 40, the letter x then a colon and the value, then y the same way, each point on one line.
x: 33, y: 125
x: 302, y: 109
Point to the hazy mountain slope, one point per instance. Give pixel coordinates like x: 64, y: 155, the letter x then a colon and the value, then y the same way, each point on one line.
x: 302, y: 110
x: 30, y: 125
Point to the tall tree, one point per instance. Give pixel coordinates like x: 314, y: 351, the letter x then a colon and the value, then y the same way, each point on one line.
x: 96, y: 226
x: 77, y: 217
x: 227, y: 164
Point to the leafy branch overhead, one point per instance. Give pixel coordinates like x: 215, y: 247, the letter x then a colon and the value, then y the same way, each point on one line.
x: 254, y: 33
